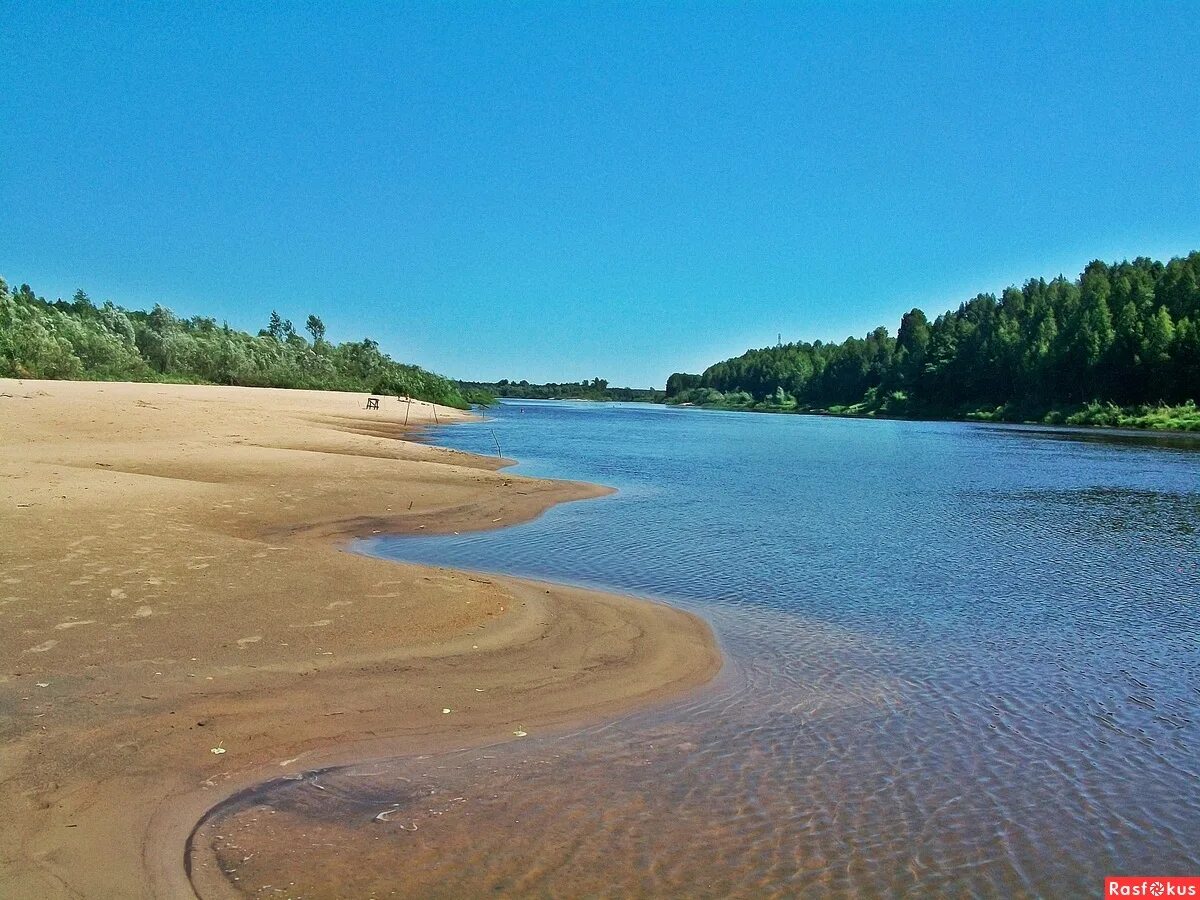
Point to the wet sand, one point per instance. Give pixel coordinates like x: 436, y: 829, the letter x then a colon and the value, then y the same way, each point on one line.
x: 174, y: 580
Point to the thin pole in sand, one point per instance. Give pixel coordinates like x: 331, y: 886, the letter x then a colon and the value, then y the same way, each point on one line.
x: 433, y: 406
x: 407, y: 410
x: 497, y: 440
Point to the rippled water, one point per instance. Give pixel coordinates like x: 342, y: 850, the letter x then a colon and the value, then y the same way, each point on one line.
x: 962, y: 660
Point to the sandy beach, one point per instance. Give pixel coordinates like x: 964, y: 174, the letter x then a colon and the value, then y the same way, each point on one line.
x: 181, y: 617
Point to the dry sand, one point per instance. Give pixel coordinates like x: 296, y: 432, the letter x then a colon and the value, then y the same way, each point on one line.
x: 174, y: 579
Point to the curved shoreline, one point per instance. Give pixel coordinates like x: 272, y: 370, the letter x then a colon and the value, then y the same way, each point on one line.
x: 178, y: 508
x: 551, y: 716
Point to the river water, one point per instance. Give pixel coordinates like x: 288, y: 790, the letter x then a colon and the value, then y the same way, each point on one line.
x: 962, y: 660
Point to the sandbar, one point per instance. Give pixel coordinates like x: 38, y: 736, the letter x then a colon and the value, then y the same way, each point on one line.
x: 181, y: 616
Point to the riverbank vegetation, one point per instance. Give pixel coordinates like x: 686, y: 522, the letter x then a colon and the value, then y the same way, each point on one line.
x: 1119, y: 345
x: 78, y: 340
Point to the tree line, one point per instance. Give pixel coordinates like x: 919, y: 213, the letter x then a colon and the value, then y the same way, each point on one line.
x: 77, y: 339
x: 596, y: 389
x: 1118, y: 336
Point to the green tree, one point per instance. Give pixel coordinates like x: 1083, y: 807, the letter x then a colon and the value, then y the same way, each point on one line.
x: 315, y: 327
x: 1092, y: 334
x: 76, y: 340
x: 1160, y: 338
x: 912, y: 342
x: 1125, y: 333
x: 275, y: 328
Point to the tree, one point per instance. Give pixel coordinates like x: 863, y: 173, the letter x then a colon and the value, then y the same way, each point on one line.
x: 1093, y: 333
x: 275, y: 326
x: 913, y: 336
x: 76, y: 340
x: 912, y: 342
x: 316, y: 328
x: 1160, y: 335
x: 1185, y: 375
x: 1125, y: 369
x: 1118, y: 333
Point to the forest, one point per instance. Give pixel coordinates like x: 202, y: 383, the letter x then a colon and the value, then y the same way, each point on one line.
x: 596, y: 389
x: 1119, y: 345
x: 77, y: 339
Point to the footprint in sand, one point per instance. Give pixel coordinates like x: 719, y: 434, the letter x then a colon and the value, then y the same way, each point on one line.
x: 243, y: 643
x: 117, y: 594
x: 143, y: 612
x: 338, y: 603
x: 320, y: 623
x: 43, y: 647
x: 63, y: 626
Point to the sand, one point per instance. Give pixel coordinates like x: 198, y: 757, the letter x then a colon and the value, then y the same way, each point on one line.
x: 175, y: 579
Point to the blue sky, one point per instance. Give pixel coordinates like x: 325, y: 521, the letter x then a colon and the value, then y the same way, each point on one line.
x: 557, y: 191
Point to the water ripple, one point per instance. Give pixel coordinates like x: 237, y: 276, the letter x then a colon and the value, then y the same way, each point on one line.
x: 962, y: 661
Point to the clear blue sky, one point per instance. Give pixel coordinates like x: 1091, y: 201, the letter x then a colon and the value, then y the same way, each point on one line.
x: 559, y: 191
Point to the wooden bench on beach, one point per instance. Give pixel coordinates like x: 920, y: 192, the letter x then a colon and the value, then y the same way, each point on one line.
x: 372, y: 403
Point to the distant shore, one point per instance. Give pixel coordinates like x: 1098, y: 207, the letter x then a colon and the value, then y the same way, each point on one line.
x: 181, y: 618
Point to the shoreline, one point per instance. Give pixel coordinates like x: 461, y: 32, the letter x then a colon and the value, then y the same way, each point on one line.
x: 154, y: 613
x: 966, y: 419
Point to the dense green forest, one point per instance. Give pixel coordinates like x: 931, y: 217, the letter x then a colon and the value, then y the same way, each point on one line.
x: 596, y: 389
x: 1119, y: 345
x: 78, y: 340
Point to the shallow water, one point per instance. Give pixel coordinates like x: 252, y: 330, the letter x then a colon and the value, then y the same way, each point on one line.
x: 962, y: 660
